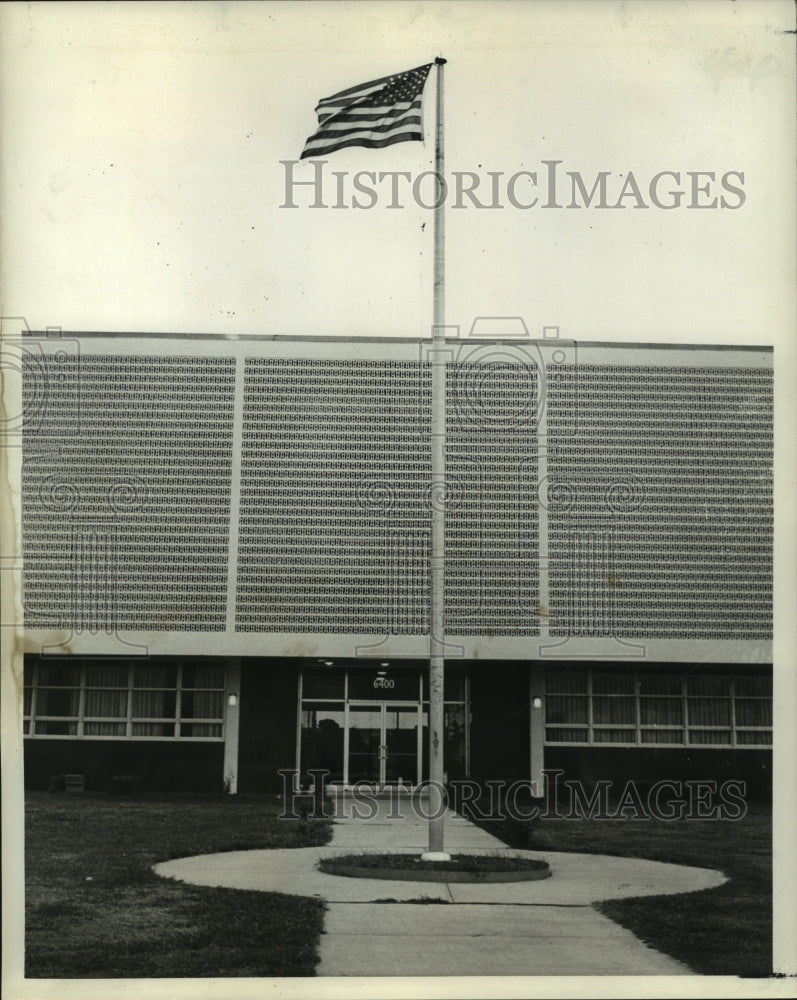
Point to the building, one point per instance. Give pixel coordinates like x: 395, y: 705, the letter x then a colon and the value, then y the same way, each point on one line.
x: 226, y: 555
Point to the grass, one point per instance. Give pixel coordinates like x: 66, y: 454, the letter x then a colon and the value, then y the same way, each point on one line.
x: 419, y: 900
x: 95, y: 908
x: 721, y: 931
x: 411, y: 862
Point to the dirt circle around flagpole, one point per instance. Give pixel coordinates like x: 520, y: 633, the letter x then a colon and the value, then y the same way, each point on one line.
x: 473, y: 868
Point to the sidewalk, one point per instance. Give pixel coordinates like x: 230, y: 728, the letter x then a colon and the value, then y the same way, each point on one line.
x: 373, y: 928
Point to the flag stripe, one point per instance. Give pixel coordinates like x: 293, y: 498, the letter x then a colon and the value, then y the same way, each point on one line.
x: 330, y: 135
x: 374, y: 114
x: 340, y: 139
x: 339, y: 127
x: 368, y: 143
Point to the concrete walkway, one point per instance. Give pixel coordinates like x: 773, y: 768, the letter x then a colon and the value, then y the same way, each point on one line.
x: 373, y: 928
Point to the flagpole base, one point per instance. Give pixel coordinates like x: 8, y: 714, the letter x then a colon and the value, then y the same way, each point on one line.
x: 435, y: 856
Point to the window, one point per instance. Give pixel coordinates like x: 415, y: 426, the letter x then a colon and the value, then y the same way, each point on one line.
x: 121, y: 699
x: 567, y: 706
x: 696, y: 706
x: 661, y: 707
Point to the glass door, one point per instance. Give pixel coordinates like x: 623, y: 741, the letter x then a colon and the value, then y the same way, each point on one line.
x: 384, y: 743
x: 366, y: 726
x: 402, y: 745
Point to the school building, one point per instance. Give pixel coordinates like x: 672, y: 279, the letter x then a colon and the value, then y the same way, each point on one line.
x: 226, y: 560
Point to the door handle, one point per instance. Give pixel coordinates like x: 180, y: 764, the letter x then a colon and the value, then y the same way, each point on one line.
x: 382, y: 751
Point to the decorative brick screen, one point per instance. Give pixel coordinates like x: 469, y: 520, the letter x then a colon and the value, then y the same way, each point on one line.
x: 126, y: 485
x: 661, y: 515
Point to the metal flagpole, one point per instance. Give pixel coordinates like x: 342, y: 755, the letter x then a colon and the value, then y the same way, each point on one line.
x: 437, y: 498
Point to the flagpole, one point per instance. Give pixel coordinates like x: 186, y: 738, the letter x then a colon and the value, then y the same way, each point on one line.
x: 436, y: 850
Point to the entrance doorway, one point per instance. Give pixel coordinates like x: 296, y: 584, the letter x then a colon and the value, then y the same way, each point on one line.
x: 386, y: 743
x: 371, y: 725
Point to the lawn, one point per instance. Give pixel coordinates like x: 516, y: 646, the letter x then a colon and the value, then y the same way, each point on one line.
x: 95, y: 909
x: 722, y: 931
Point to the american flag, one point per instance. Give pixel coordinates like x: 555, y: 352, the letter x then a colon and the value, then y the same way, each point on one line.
x: 372, y: 114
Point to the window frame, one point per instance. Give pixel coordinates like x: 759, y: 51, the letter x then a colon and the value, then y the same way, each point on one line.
x: 679, y: 676
x: 33, y: 718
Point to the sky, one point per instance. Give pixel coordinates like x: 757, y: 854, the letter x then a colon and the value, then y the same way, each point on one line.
x: 142, y: 187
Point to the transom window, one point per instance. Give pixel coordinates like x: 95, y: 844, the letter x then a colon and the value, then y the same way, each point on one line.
x: 682, y: 707
x: 124, y: 699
